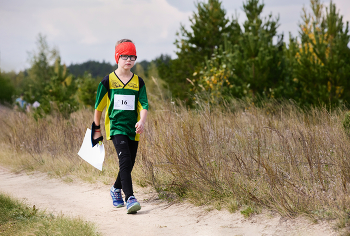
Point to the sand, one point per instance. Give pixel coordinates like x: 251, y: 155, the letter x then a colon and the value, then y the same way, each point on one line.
x: 92, y: 202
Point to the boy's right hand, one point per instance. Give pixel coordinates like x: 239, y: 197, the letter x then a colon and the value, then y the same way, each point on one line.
x: 96, y: 135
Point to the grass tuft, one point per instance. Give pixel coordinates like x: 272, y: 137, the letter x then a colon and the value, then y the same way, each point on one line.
x: 248, y: 212
x: 17, y: 218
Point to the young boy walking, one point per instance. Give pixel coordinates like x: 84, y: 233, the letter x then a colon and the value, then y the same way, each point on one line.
x: 124, y: 96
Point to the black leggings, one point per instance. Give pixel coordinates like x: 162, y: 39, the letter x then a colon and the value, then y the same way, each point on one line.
x: 126, y: 150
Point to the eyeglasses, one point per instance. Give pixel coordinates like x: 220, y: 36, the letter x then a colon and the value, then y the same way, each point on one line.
x: 125, y: 57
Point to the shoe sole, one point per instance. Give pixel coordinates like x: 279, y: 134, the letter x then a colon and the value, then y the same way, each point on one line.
x: 133, y: 209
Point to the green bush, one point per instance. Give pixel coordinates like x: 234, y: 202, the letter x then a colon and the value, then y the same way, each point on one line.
x: 87, y: 88
x: 7, y: 90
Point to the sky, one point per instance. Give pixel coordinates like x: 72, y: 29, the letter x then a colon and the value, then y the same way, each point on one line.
x: 85, y: 30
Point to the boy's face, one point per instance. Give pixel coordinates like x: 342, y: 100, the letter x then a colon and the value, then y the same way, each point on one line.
x: 126, y: 64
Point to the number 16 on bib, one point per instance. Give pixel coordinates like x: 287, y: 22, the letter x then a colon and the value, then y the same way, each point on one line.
x: 124, y: 102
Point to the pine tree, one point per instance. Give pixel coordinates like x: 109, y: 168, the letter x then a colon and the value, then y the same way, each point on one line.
x: 59, y: 91
x: 323, y: 61
x: 252, y: 67
x: 49, y: 82
x: 262, y: 60
x: 87, y: 89
x: 41, y: 69
x: 208, y: 26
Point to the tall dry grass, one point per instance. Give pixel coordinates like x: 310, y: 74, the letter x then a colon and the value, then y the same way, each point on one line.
x: 274, y: 156
x: 51, y: 145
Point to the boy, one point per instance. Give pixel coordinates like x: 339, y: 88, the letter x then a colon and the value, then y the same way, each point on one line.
x: 124, y: 96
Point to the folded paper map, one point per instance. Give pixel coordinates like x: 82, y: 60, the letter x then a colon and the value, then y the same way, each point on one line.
x: 93, y: 155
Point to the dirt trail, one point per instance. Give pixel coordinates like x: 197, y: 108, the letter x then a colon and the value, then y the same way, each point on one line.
x: 93, y: 203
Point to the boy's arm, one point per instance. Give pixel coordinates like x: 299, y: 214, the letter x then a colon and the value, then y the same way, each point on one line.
x: 100, y: 104
x: 140, y: 125
x: 97, y: 118
x: 143, y: 106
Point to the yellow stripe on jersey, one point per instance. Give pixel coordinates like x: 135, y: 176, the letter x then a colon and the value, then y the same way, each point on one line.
x: 102, y: 104
x: 107, y: 121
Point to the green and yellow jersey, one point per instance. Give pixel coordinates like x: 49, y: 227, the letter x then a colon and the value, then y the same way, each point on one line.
x: 123, y: 103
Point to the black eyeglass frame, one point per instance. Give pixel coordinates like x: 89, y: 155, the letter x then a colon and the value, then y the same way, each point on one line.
x: 125, y: 57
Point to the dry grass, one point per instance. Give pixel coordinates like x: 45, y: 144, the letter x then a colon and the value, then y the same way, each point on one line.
x: 236, y: 156
x: 51, y: 145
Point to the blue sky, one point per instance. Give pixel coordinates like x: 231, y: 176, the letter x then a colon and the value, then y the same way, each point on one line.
x: 88, y: 29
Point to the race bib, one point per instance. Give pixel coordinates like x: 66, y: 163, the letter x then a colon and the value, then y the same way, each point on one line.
x: 124, y: 102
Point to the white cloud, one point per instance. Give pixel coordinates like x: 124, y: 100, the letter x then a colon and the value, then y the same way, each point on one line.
x: 88, y: 29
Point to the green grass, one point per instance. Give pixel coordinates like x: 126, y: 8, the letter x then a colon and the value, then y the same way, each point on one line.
x: 249, y: 211
x: 17, y: 218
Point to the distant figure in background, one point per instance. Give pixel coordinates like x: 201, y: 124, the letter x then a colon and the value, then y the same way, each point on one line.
x: 20, y: 102
x: 123, y: 94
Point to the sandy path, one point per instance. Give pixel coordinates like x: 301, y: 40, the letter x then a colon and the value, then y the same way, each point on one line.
x: 93, y: 203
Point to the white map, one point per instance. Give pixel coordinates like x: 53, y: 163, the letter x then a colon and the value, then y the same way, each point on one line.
x: 92, y: 155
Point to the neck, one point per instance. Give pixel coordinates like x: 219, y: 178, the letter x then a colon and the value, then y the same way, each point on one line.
x: 122, y: 72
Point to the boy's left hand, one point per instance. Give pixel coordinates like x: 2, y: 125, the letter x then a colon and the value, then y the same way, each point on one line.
x: 140, y: 127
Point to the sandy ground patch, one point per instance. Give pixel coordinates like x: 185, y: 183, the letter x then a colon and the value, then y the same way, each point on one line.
x: 93, y: 203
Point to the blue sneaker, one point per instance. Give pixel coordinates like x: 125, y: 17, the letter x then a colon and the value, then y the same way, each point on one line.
x: 132, y: 205
x: 116, y: 195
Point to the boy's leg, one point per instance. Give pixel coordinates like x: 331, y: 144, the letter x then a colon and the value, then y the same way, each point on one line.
x: 118, y: 183
x: 126, y: 150
x: 133, y: 145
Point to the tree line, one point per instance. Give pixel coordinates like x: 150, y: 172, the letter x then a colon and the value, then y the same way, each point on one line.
x: 60, y: 88
x: 225, y: 59
x: 216, y: 56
